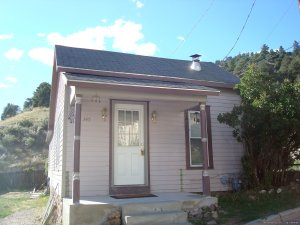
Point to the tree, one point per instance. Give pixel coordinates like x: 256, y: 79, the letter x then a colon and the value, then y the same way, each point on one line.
x: 268, y: 124
x: 264, y: 50
x: 10, y: 110
x: 296, y: 48
x: 41, y: 96
x: 27, y: 104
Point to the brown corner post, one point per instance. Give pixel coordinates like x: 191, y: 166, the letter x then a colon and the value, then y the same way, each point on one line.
x: 76, y: 151
x: 205, y: 176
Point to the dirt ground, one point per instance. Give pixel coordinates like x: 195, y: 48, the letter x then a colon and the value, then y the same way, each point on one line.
x: 24, y: 217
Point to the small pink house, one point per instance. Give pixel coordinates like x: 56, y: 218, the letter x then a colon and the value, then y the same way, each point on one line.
x: 128, y: 124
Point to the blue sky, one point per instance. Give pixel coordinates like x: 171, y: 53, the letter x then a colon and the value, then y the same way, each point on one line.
x: 164, y: 28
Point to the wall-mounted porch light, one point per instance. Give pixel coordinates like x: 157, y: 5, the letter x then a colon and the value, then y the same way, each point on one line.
x: 197, y: 117
x: 104, y: 114
x: 154, y: 116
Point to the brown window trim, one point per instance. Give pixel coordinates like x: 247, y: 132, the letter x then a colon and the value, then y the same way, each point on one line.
x: 209, y: 137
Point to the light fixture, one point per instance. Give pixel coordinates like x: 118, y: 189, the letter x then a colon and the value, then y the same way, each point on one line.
x: 104, y: 114
x: 197, y: 117
x: 154, y: 116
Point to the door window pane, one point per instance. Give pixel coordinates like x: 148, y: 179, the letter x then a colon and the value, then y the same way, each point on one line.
x: 129, y: 128
x: 121, y: 115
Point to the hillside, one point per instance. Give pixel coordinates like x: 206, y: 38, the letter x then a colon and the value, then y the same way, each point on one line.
x: 22, y: 140
x: 269, y: 61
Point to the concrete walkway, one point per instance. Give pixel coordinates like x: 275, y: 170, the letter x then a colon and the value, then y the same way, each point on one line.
x: 291, y: 216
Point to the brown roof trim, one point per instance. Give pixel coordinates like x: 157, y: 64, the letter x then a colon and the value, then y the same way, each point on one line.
x: 144, y: 76
x: 150, y: 89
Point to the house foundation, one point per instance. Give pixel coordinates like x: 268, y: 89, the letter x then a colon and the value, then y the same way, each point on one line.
x: 105, y: 210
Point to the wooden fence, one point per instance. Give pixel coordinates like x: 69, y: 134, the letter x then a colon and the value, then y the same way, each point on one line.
x: 22, y: 180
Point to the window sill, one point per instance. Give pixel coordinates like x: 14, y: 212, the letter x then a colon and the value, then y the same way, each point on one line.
x: 198, y: 168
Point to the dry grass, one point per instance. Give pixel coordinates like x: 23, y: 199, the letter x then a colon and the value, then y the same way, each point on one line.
x: 36, y: 114
x: 15, y: 201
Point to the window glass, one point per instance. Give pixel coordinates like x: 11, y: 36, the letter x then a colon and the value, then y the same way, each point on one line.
x: 196, y: 152
x: 195, y: 129
x: 128, y: 128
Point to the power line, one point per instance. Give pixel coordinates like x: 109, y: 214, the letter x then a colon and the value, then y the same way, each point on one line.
x: 280, y: 19
x: 241, y: 30
x: 194, y: 27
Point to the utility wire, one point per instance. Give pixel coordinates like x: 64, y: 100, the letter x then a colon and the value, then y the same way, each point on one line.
x: 279, y: 21
x: 194, y: 27
x: 241, y: 31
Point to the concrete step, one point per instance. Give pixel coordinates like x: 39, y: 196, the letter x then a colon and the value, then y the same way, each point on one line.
x: 187, y: 223
x: 158, y: 218
x: 157, y: 207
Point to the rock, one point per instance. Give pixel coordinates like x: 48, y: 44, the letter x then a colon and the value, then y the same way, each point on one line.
x: 252, y: 197
x: 279, y: 190
x: 212, y: 207
x: 262, y: 192
x: 113, y: 222
x: 271, y: 191
x: 215, y: 215
x: 114, y: 215
x: 199, y: 211
x: 207, y: 215
x: 211, y: 222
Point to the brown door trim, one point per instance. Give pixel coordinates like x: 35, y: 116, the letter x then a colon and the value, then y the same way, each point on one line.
x: 129, y: 189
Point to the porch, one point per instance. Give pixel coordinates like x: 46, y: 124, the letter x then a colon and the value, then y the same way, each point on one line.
x: 164, y: 208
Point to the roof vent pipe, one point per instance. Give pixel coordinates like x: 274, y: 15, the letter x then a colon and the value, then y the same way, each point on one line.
x: 196, y: 62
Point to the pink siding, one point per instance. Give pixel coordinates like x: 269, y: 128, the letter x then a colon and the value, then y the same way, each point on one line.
x: 167, y: 147
x: 55, y: 162
x: 94, y: 153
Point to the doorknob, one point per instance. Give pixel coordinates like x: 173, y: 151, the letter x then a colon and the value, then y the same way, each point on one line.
x: 142, y: 151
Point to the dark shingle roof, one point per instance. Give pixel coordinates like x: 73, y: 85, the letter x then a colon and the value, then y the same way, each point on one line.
x: 129, y: 63
x: 136, y: 82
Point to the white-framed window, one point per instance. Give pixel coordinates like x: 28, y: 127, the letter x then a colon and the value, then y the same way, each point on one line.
x: 195, y: 143
x: 194, y: 147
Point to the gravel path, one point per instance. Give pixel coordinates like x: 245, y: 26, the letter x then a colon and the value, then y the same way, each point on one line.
x: 24, y: 217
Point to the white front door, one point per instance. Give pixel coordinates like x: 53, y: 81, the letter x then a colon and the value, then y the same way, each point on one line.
x: 129, y: 151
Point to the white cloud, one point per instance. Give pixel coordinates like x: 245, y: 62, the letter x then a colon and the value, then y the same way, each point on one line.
x: 88, y: 38
x: 11, y: 79
x: 41, y: 34
x: 126, y: 36
x: 180, y: 38
x: 104, y: 20
x: 6, y: 36
x: 146, y: 49
x: 2, y: 85
x: 44, y: 55
x: 139, y: 4
x: 13, y: 54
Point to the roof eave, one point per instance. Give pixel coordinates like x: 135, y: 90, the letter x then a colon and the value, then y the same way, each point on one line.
x: 144, y: 76
x: 154, y: 89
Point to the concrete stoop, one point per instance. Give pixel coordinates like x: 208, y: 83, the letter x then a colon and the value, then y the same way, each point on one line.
x: 154, y: 214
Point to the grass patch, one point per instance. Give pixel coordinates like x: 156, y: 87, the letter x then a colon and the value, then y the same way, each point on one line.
x: 22, y: 141
x: 250, y: 205
x: 14, y: 201
x: 36, y: 114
